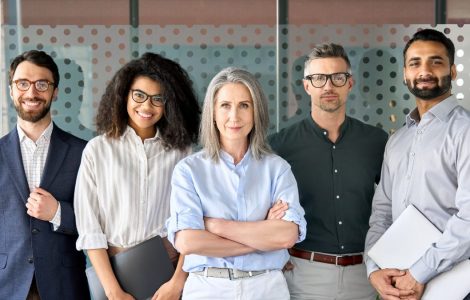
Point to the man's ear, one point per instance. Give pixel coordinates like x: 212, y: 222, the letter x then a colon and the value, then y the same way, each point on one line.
x: 404, y: 76
x: 351, y: 83
x: 306, y: 86
x: 453, y: 72
x: 54, y: 95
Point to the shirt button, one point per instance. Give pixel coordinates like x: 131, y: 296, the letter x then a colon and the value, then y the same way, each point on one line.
x: 30, y: 260
x: 324, y: 132
x: 342, y: 247
x: 340, y: 222
x: 337, y: 196
x: 35, y: 230
x: 412, y: 154
x: 334, y: 147
x: 336, y: 170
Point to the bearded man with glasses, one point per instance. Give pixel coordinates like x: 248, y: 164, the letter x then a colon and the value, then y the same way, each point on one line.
x: 336, y: 161
x: 38, y: 168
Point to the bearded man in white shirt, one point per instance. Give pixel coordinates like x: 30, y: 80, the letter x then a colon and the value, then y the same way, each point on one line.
x: 427, y: 164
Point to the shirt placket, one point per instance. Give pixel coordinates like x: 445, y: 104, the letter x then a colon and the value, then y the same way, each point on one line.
x: 143, y: 192
x: 417, y: 138
x: 337, y: 194
x: 238, y: 181
x: 34, y: 164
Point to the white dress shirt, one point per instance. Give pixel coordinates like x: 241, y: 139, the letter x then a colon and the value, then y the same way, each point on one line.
x: 427, y: 164
x: 122, y: 194
x: 34, y: 155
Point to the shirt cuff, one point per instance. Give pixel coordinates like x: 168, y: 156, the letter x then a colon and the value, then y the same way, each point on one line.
x: 371, y: 266
x: 421, y: 272
x: 293, y: 217
x: 92, y: 241
x: 181, y: 222
x: 57, y: 218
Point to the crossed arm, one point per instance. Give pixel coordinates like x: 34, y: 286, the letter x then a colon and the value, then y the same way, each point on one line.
x: 222, y: 238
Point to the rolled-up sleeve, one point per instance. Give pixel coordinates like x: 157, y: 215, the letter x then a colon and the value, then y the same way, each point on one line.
x: 285, y: 189
x: 87, y: 212
x: 185, y: 204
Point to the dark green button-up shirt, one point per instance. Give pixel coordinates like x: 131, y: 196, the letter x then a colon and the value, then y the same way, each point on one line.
x: 335, y: 180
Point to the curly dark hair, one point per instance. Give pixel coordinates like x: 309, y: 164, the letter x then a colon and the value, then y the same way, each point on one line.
x: 179, y: 125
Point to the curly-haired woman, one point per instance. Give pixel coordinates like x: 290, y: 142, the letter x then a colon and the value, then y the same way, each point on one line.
x: 148, y: 118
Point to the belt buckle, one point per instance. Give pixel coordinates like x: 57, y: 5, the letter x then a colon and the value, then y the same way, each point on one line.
x: 231, y: 275
x: 337, y: 259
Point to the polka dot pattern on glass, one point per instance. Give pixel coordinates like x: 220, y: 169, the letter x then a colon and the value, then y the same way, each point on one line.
x: 88, y: 56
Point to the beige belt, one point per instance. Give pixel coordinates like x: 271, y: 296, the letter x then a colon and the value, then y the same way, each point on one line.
x: 232, y: 274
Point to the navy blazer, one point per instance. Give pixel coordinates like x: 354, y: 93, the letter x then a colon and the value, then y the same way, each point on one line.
x: 29, y: 246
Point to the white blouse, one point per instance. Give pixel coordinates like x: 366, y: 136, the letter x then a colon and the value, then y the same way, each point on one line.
x: 122, y: 194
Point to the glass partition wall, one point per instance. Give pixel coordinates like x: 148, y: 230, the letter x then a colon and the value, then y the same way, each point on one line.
x: 88, y: 55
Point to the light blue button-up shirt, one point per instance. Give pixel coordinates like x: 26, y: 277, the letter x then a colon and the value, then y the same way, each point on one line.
x: 427, y: 164
x: 242, y: 192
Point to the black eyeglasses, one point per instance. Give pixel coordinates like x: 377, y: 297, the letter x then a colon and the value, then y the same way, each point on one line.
x: 337, y: 79
x: 40, y: 85
x: 140, y: 97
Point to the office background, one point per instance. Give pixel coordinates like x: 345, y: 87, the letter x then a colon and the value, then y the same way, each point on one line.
x: 267, y: 37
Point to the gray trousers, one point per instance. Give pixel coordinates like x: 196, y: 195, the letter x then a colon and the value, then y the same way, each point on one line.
x: 320, y: 281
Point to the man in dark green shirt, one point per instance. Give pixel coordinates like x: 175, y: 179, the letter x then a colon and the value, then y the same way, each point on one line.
x: 336, y: 161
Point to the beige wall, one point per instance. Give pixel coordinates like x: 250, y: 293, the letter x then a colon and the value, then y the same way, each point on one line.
x: 215, y: 12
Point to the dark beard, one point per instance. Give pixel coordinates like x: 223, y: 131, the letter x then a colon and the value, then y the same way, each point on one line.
x: 429, y: 94
x: 32, y: 117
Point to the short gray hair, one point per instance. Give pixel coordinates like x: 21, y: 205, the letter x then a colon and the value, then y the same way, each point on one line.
x: 328, y: 50
x: 209, y: 134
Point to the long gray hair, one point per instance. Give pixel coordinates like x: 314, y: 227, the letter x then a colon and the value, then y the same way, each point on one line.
x: 209, y: 134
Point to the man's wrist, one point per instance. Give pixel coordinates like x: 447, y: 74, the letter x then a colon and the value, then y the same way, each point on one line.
x: 56, y: 219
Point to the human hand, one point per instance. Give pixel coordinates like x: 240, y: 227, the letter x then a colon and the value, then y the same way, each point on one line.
x: 383, y: 281
x: 408, y: 282
x: 170, y: 290
x: 288, y: 266
x: 41, y: 205
x: 213, y: 225
x: 278, y: 210
x: 119, y: 295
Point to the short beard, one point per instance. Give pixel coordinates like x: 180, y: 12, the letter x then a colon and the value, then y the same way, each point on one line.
x: 429, y: 94
x: 32, y: 117
x: 329, y: 109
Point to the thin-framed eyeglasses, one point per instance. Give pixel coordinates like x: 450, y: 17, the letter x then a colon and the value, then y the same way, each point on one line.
x: 337, y: 79
x: 40, y: 85
x: 140, y: 97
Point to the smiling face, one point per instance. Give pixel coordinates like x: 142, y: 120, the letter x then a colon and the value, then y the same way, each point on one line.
x: 428, y: 73
x: 328, y: 98
x: 233, y: 114
x: 144, y: 116
x: 32, y: 106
